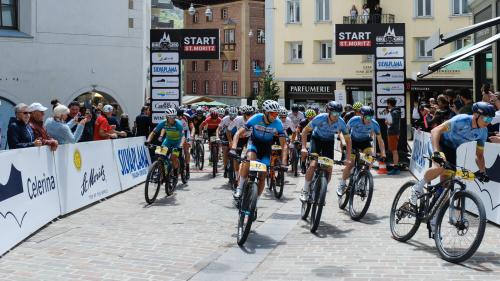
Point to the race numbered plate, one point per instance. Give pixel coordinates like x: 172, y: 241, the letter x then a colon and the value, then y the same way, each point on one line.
x: 160, y: 150
x: 325, y: 161
x: 257, y: 166
x: 276, y: 147
x: 213, y: 139
x: 465, y: 174
x: 367, y: 158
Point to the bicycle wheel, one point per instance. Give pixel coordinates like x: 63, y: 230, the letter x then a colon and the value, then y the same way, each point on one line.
x: 344, y: 199
x: 404, y: 221
x: 361, y: 195
x: 214, y: 157
x: 183, y: 171
x: 318, y: 203
x: 459, y: 235
x: 295, y: 163
x: 153, y: 182
x: 171, y: 181
x: 230, y: 172
x: 279, y: 184
x: 247, y: 211
x: 201, y: 155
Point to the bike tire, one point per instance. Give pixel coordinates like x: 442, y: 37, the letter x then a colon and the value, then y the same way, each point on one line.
x: 201, y: 156
x: 457, y: 258
x: 304, y: 210
x: 396, y: 211
x: 318, y: 203
x: 230, y: 172
x: 344, y: 199
x: 247, y: 211
x: 157, y: 167
x: 279, y: 185
x: 367, y: 196
x: 170, y: 182
x: 183, y: 172
x: 214, y: 158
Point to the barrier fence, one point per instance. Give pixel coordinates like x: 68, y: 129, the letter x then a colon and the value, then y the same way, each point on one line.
x: 38, y: 185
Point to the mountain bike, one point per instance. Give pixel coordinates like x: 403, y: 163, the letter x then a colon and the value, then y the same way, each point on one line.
x: 247, y: 207
x: 359, y: 190
x: 295, y: 157
x: 214, y: 154
x: 199, y: 152
x: 231, y: 173
x: 451, y: 212
x: 276, y: 176
x: 317, y: 195
x: 162, y: 171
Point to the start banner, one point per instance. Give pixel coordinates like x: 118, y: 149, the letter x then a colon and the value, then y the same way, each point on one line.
x: 132, y: 159
x: 29, y: 196
x: 87, y: 173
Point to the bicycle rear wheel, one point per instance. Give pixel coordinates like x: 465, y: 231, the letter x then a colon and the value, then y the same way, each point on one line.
x: 201, y: 155
x: 460, y: 227
x: 344, y: 199
x: 247, y: 212
x: 171, y: 180
x: 215, y: 157
x: 153, y: 182
x: 295, y: 162
x: 361, y: 195
x: 318, y: 203
x: 404, y: 220
x: 279, y: 184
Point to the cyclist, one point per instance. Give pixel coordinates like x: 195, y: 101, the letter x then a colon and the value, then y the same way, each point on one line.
x: 188, y: 132
x: 172, y: 130
x: 222, y: 112
x: 361, y: 129
x: 295, y: 115
x: 310, y: 114
x: 264, y: 126
x: 211, y: 124
x: 240, y: 122
x: 197, y: 120
x: 226, y: 125
x: 356, y: 108
x: 323, y: 127
x: 288, y: 125
x: 448, y: 136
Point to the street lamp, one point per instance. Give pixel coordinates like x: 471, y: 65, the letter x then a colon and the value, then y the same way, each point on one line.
x: 192, y: 10
x: 250, y: 34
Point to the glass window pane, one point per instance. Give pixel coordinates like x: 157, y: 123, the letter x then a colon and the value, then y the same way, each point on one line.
x: 8, y: 16
x: 327, y: 9
x: 456, y: 7
x: 465, y: 6
x: 299, y: 51
x: 297, y: 11
x: 420, y: 7
x: 428, y: 7
x: 8, y: 2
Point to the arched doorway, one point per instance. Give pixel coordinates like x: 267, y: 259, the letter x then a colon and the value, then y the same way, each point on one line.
x: 95, y: 99
x: 6, y: 113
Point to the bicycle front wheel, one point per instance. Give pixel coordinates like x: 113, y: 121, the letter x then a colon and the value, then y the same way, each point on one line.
x: 215, y: 156
x: 279, y: 184
x: 404, y: 221
x: 361, y: 195
x: 153, y: 182
x: 460, y: 227
x: 319, y: 201
x: 247, y: 212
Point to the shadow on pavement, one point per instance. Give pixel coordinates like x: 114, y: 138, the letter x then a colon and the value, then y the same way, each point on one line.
x: 372, y: 219
x: 257, y: 241
x: 330, y: 271
x: 164, y: 201
x: 328, y: 230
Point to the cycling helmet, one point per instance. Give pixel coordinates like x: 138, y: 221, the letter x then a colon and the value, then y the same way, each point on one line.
x: 283, y: 111
x: 221, y: 111
x: 214, y: 113
x: 247, y: 109
x: 295, y: 108
x: 334, y: 106
x: 367, y: 111
x: 357, y: 106
x: 310, y: 113
x: 484, y: 108
x: 171, y: 113
x: 180, y: 111
x: 302, y: 108
x: 199, y: 111
x: 233, y: 111
x: 271, y: 106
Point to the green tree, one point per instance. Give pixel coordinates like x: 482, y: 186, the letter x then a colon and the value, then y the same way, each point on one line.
x: 269, y: 88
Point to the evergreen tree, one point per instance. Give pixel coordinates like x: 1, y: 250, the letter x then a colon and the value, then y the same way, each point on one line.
x: 269, y: 88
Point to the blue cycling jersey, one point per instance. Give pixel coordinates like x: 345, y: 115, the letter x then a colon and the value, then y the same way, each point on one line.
x: 360, y: 131
x: 460, y: 131
x: 173, y: 134
x: 262, y: 132
x: 323, y: 130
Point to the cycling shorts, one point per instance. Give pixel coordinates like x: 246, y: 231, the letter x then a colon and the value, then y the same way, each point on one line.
x: 321, y: 147
x: 211, y: 132
x: 262, y: 149
x: 449, y: 153
x: 362, y: 146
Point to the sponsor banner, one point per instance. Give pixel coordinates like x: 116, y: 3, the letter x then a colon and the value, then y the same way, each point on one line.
x: 400, y: 100
x: 132, y: 159
x: 165, y: 69
x: 190, y: 43
x: 86, y: 173
x: 390, y: 76
x: 165, y: 81
x: 162, y: 105
x: 390, y: 52
x: 381, y: 112
x: 159, y: 116
x: 29, y: 194
x: 390, y: 64
x: 165, y: 94
x: 391, y: 88
x: 489, y: 192
x: 391, y: 37
x: 341, y: 96
x: 161, y: 57
x: 422, y: 146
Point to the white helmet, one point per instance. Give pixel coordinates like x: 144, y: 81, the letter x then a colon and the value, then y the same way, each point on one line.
x: 221, y: 111
x: 247, y: 109
x: 271, y: 106
x: 171, y: 112
x: 233, y: 111
x: 283, y: 111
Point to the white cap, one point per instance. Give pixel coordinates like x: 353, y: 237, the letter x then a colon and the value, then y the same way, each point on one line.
x: 36, y: 106
x: 107, y: 108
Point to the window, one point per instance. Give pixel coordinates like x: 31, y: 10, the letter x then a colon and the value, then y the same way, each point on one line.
x: 225, y: 66
x: 8, y: 14
x: 423, y: 8
x: 130, y: 4
x: 322, y: 10
x: 295, y: 51
x: 421, y: 49
x: 130, y: 22
x: 224, y: 88
x: 460, y: 7
x: 261, y: 37
x: 325, y: 51
x: 224, y: 14
x: 209, y: 18
x: 194, y: 86
x: 229, y: 36
x: 194, y: 66
x: 195, y: 18
x: 235, y: 88
x: 207, y: 87
x: 235, y: 65
x: 255, y: 65
x: 207, y: 65
x: 463, y: 42
x: 255, y: 88
x: 293, y: 11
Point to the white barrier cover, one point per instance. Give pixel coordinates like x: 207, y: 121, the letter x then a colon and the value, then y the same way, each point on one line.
x: 132, y: 159
x: 87, y: 173
x: 488, y: 192
x: 422, y: 146
x: 29, y: 196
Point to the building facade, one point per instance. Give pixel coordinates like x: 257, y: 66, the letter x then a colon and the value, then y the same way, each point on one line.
x: 301, y: 51
x: 84, y: 50
x: 234, y: 79
x: 165, y: 15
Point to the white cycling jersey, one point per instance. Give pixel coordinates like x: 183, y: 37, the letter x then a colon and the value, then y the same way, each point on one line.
x: 296, y: 118
x: 227, y: 123
x: 241, y: 123
x: 288, y: 124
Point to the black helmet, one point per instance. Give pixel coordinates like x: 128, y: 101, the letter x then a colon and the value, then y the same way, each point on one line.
x: 334, y: 106
x: 302, y: 108
x: 295, y: 107
x: 180, y: 111
x: 367, y: 111
x: 484, y: 108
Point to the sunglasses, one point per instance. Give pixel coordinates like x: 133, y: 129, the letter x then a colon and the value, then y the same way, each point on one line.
x: 273, y: 114
x: 367, y: 118
x: 334, y: 113
x: 25, y: 113
x: 487, y: 119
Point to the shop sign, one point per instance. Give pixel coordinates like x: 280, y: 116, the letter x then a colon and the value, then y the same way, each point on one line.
x: 390, y: 76
x: 310, y: 87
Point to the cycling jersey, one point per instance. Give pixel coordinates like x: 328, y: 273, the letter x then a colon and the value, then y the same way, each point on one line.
x: 227, y: 124
x: 173, y: 134
x: 296, y: 118
x: 240, y: 122
x: 288, y: 126
x: 303, y: 123
x: 360, y: 131
x: 325, y: 131
x: 263, y: 132
x: 460, y: 130
x: 211, y: 123
x: 197, y: 120
x: 185, y: 126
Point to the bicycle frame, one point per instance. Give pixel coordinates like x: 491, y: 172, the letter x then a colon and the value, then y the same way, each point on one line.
x: 432, y: 204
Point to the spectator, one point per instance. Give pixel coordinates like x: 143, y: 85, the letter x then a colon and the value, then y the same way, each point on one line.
x: 393, y: 131
x: 454, y: 105
x: 494, y: 127
x: 102, y: 129
x: 113, y: 120
x: 73, y: 116
x: 487, y: 95
x: 432, y: 103
x: 465, y: 96
x: 425, y: 111
x: 190, y: 110
x: 88, y: 129
x: 36, y: 122
x: 377, y: 14
x: 354, y: 14
x: 443, y: 112
x: 347, y: 109
x: 143, y: 122
x: 125, y: 126
x: 54, y: 103
x: 58, y: 128
x: 415, y: 114
x: 19, y: 133
x: 366, y: 13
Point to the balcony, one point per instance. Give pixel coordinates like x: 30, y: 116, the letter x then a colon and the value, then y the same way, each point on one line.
x: 228, y: 47
x: 384, y: 18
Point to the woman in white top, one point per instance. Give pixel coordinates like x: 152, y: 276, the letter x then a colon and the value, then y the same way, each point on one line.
x: 366, y: 13
x: 354, y: 14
